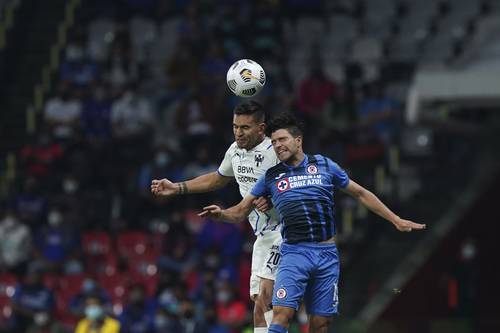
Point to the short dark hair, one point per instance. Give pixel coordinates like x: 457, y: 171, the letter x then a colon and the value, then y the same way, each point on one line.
x: 288, y: 121
x: 251, y: 108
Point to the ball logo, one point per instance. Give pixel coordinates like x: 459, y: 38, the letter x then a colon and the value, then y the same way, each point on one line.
x: 282, y: 185
x: 281, y: 293
x: 312, y: 169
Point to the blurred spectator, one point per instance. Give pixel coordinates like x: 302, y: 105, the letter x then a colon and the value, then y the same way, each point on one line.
x: 181, y: 68
x: 62, y: 114
x: 463, y: 283
x: 30, y: 204
x: 138, y: 314
x: 96, y: 320
x: 131, y: 116
x: 166, y: 322
x: 31, y: 298
x: 230, y: 310
x: 58, y: 239
x: 43, y: 322
x: 266, y: 30
x: 96, y: 115
x: 214, y: 234
x: 15, y: 243
x: 314, y: 92
x: 38, y: 158
x: 209, y: 323
x: 89, y: 288
x: 79, y: 70
x: 163, y: 166
x: 377, y: 115
x: 201, y: 164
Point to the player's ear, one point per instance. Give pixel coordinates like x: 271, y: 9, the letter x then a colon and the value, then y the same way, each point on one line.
x: 262, y: 127
x: 298, y: 139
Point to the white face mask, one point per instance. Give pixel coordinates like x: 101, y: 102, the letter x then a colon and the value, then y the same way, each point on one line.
x: 70, y: 185
x: 468, y: 251
x: 93, y: 312
x: 223, y: 296
x: 54, y: 218
x: 10, y: 222
x: 162, y: 159
x: 41, y: 318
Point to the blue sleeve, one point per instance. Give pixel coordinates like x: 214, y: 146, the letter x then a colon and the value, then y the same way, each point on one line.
x: 339, y: 176
x: 260, y: 188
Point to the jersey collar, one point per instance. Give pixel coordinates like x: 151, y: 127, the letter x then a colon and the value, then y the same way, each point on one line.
x: 261, y: 146
x: 301, y: 164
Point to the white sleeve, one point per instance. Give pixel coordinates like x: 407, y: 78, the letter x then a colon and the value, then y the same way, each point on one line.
x: 226, y: 166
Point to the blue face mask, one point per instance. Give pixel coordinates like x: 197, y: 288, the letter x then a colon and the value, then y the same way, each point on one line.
x: 93, y: 312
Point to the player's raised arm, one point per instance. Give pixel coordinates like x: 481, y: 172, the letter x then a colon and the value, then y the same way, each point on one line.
x: 370, y: 201
x: 204, y: 183
x: 233, y: 214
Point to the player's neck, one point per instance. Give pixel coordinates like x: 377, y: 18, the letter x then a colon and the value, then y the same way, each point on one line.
x: 296, y: 159
x: 258, y: 142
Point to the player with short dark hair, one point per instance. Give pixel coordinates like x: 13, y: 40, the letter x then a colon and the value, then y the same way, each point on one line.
x: 246, y: 160
x: 302, y: 190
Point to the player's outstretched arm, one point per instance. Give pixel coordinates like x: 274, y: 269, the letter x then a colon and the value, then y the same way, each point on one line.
x: 233, y: 214
x: 370, y: 201
x: 204, y: 183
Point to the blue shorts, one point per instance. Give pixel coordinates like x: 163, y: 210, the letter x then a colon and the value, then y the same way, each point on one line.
x: 309, y: 271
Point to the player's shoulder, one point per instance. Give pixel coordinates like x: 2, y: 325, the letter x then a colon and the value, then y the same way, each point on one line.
x: 232, y: 149
x: 323, y: 160
x: 276, y: 171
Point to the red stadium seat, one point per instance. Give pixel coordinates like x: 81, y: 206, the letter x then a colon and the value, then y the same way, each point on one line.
x: 8, y: 284
x: 104, y: 265
x: 51, y: 281
x: 96, y: 243
x: 116, y: 285
x: 144, y: 269
x: 132, y: 244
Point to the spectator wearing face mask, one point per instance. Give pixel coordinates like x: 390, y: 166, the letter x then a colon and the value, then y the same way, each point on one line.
x: 166, y: 321
x: 89, y: 288
x: 164, y: 164
x: 139, y: 313
x: 15, y: 243
x: 44, y: 323
x: 96, y: 320
x: 57, y: 240
x: 31, y: 298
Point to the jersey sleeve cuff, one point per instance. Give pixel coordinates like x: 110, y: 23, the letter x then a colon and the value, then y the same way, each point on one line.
x: 223, y: 175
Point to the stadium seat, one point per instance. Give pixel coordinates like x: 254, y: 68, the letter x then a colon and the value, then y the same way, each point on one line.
x: 96, y: 243
x: 8, y: 284
x: 7, y: 288
x: 51, y: 280
x: 132, y: 244
x: 144, y: 269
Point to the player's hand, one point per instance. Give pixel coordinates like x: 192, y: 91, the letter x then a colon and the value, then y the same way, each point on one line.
x: 407, y: 225
x: 163, y: 187
x: 263, y: 204
x: 212, y: 211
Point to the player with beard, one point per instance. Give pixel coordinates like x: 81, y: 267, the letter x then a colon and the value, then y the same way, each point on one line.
x: 246, y: 160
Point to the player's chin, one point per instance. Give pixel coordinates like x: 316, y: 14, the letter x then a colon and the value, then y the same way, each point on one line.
x: 284, y: 156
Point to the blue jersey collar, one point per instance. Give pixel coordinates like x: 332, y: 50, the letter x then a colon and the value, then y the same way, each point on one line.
x: 303, y: 163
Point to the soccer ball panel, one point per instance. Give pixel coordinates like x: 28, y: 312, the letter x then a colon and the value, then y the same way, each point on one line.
x: 245, y: 78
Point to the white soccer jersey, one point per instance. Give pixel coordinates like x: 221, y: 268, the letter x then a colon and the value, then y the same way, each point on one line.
x: 247, y: 166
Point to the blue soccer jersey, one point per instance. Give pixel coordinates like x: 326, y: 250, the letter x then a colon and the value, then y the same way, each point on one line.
x: 303, y: 197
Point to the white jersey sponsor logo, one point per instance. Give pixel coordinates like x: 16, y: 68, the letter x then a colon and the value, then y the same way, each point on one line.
x: 247, y: 166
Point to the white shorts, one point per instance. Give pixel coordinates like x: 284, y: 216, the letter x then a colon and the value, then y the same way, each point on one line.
x: 265, y: 259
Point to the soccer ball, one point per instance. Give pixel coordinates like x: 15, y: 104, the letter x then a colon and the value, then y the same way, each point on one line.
x: 245, y: 78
